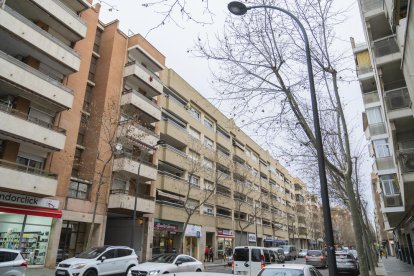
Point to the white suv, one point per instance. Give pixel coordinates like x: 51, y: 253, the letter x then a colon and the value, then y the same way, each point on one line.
x: 12, y: 263
x: 104, y: 260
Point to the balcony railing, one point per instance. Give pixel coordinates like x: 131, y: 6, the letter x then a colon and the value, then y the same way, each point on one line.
x: 385, y: 46
x: 369, y: 5
x: 176, y: 125
x: 177, y: 151
x: 135, y: 92
x: 364, y: 70
x: 130, y: 193
x: 26, y: 169
x: 26, y: 21
x: 377, y: 129
x: 135, y: 158
x: 69, y: 10
x: 406, y: 157
x: 145, y: 129
x: 385, y: 163
x: 370, y: 97
x: 397, y: 99
x: 24, y: 116
x: 142, y: 67
x: 35, y: 72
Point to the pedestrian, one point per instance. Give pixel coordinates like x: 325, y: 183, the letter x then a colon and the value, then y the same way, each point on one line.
x: 174, y: 250
x: 210, y: 254
x: 381, y: 253
x: 206, y: 251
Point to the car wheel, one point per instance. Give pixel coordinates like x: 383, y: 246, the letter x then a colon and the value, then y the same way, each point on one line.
x: 166, y: 272
x: 90, y: 272
x: 199, y: 270
x: 129, y: 268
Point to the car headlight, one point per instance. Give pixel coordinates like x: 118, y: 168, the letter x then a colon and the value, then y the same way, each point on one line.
x: 79, y: 266
x: 153, y: 272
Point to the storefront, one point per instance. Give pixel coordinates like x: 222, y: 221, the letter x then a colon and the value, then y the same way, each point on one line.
x: 225, y: 239
x: 192, y: 238
x: 269, y: 241
x: 166, y: 236
x: 25, y: 223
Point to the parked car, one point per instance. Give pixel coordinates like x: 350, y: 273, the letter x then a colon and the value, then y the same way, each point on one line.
x: 289, y: 269
x: 280, y: 254
x: 354, y: 252
x: 316, y: 258
x: 103, y: 260
x: 248, y: 260
x: 167, y: 263
x: 229, y: 256
x: 12, y: 263
x: 198, y: 274
x: 302, y: 253
x: 290, y: 252
x: 61, y: 255
x: 346, y: 262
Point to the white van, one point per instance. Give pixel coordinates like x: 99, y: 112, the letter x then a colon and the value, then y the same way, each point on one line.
x: 249, y: 260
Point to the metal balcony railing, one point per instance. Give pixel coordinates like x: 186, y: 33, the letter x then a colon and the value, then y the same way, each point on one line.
x: 26, y: 169
x: 4, y: 107
x: 406, y: 158
x: 385, y: 46
x: 377, y: 129
x: 397, y: 99
x: 370, y: 97
x: 369, y: 5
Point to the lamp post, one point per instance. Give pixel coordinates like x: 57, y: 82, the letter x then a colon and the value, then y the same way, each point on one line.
x: 143, y: 154
x: 239, y: 8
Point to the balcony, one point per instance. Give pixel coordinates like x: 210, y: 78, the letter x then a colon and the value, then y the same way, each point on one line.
x: 123, y: 201
x: 18, y: 178
x: 392, y: 200
x: 406, y: 159
x: 77, y: 5
x: 172, y: 183
x: 34, y: 82
x: 377, y: 129
x: 31, y: 129
x: 398, y: 103
x: 36, y: 37
x: 126, y: 164
x: 385, y: 163
x: 151, y: 111
x: 55, y: 14
x: 141, y: 77
x: 138, y: 133
x: 372, y: 7
x: 365, y: 72
x: 172, y: 129
x: 386, y: 50
x: 370, y: 97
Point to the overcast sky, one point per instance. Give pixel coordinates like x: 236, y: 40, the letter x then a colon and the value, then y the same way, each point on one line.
x: 173, y: 41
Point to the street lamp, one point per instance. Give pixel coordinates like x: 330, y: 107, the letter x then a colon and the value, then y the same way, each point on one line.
x: 238, y: 8
x: 143, y: 154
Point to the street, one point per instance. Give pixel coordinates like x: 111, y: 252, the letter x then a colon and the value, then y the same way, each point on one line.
x: 227, y: 269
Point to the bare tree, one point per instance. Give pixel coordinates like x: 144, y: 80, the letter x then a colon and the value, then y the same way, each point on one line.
x: 260, y: 58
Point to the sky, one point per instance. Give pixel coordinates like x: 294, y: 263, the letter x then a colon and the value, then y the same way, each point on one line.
x: 174, y: 39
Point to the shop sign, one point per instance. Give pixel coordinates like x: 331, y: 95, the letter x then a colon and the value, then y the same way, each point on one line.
x: 229, y: 233
x: 165, y: 227
x: 193, y: 231
x: 28, y: 200
x: 252, y: 237
x: 268, y: 238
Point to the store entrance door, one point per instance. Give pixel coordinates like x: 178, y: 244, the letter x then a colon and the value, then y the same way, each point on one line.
x: 191, y: 247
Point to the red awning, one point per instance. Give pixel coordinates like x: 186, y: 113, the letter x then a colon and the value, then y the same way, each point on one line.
x: 30, y: 210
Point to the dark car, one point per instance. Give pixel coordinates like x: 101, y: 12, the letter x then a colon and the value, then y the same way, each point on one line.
x: 346, y: 263
x: 317, y: 258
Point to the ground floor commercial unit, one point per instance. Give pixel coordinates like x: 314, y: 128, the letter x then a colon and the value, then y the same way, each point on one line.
x: 403, y: 242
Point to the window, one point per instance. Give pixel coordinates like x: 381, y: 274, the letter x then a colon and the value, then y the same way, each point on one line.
x: 208, y: 210
x: 266, y: 223
x: 208, y: 143
x: 255, y: 158
x: 110, y: 254
x: 256, y: 255
x: 266, y: 255
x: 78, y: 190
x: 208, y: 163
x: 124, y: 252
x: 222, y: 190
x: 92, y: 69
x: 87, y: 99
x: 374, y: 115
x: 194, y: 180
x: 194, y: 133
x: 193, y: 155
x: 7, y: 256
x: 168, y: 198
x: 33, y: 164
x: 222, y: 211
x: 97, y: 43
x: 242, y: 254
x: 389, y: 185
x: 208, y: 185
x: 194, y: 113
x: 222, y: 132
x: 240, y: 215
x: 208, y: 123
x: 382, y: 148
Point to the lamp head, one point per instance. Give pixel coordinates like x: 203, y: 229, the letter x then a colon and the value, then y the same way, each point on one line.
x: 237, y: 8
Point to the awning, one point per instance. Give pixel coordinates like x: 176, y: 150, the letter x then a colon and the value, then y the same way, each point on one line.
x: 30, y: 210
x: 226, y: 237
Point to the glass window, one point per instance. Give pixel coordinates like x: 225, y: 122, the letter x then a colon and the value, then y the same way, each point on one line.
x: 382, y: 148
x: 281, y: 271
x: 208, y: 163
x: 195, y: 180
x: 266, y: 255
x: 208, y: 210
x: 255, y: 255
x: 208, y: 143
x: 194, y: 113
x: 241, y: 254
x: 193, y: 155
x: 208, y: 185
x: 110, y: 254
x: 208, y: 123
x: 78, y: 190
x: 124, y: 252
x: 194, y: 133
x: 374, y: 115
x: 389, y: 184
x: 33, y: 166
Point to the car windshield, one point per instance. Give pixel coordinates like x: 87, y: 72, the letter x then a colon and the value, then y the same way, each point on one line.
x: 164, y: 258
x: 353, y: 252
x: 281, y: 272
x: 314, y: 253
x: 343, y: 256
x: 286, y: 248
x: 91, y: 253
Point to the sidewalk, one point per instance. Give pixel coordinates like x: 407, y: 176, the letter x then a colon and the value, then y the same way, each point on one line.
x: 40, y: 272
x: 214, y: 263
x: 394, y: 266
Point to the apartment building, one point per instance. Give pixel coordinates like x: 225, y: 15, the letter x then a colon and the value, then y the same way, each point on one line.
x: 255, y: 197
x: 78, y: 104
x: 384, y: 69
x: 343, y: 230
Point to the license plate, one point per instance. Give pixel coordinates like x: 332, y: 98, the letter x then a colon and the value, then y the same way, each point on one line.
x: 241, y: 272
x: 60, y: 272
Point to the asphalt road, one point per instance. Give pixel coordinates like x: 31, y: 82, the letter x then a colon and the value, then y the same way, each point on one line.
x: 227, y: 269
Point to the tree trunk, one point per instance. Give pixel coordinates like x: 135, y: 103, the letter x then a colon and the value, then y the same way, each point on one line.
x: 355, y: 214
x: 181, y: 239
x: 88, y: 243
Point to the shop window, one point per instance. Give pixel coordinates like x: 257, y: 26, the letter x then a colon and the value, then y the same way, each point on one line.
x: 78, y: 190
